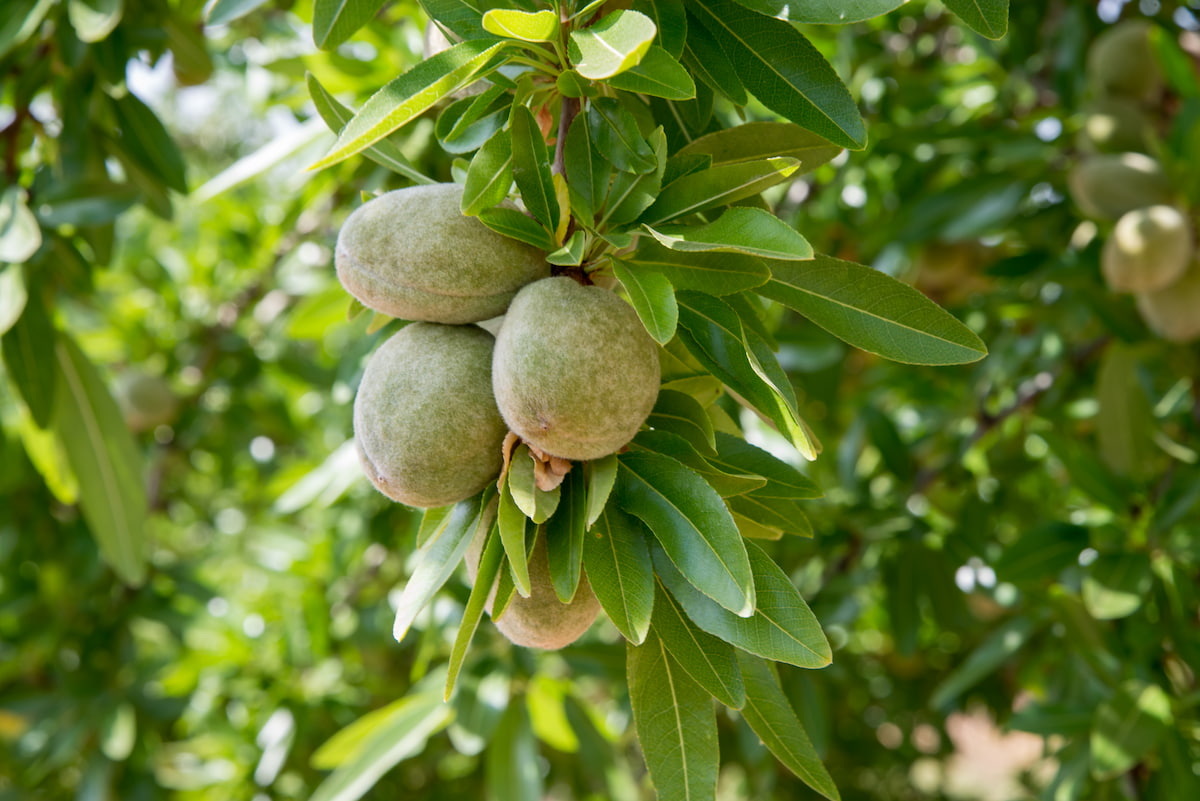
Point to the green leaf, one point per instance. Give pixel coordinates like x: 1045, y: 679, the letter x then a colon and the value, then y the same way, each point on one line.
x: 564, y: 536
x: 383, y: 152
x: 618, y: 567
x: 682, y: 414
x: 710, y: 661
x: 28, y: 349
x: 22, y: 19
x: 671, y: 20
x: 687, y: 453
x: 754, y: 141
x: 223, y: 12
x: 20, y: 236
x: 1127, y: 727
x: 49, y: 457
x: 527, y: 26
x: 782, y: 627
x: 466, y: 124
x: 872, y: 311
x: 398, y: 735
x: 772, y: 718
x: 1125, y: 423
x: 601, y: 475
x: 615, y: 134
x: 783, y: 481
x: 571, y: 253
x: 485, y: 579
x: 512, y: 524
x: 402, y: 99
x: 512, y: 757
x: 1116, y: 585
x: 611, y: 46
x: 490, y: 175
x: 148, y: 142
x: 994, y: 652
x: 658, y: 74
x: 823, y: 12
x: 738, y: 230
x: 712, y: 332
x: 780, y: 67
x: 13, y: 296
x: 517, y: 225
x: 986, y: 17
x: 708, y: 62
x: 464, y: 18
x: 776, y: 513
x: 711, y: 273
x: 90, y: 203
x: 536, y: 504
x: 676, y: 724
x: 335, y: 21
x: 587, y: 173
x: 652, y: 297
x: 103, y: 454
x: 118, y: 732
x: 720, y: 185
x: 531, y: 167
x: 439, y: 556
x: 691, y: 521
x: 94, y: 20
x: 1041, y: 553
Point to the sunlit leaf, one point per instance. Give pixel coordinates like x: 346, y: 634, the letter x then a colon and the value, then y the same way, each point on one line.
x: 335, y: 21
x: 612, y: 45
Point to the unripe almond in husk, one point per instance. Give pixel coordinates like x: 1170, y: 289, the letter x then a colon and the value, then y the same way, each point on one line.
x: 1110, y: 184
x: 425, y: 422
x: 1122, y: 62
x: 1174, y: 313
x: 413, y: 254
x: 1114, y: 125
x: 1149, y: 249
x: 575, y: 373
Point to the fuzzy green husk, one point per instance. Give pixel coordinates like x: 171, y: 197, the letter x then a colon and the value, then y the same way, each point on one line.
x: 1122, y: 62
x: 1174, y: 313
x: 575, y: 373
x: 425, y: 421
x: 1149, y: 249
x: 412, y: 254
x: 1107, y: 186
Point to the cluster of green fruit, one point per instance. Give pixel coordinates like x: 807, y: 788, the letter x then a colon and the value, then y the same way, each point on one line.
x: 1150, y: 250
x: 570, y: 370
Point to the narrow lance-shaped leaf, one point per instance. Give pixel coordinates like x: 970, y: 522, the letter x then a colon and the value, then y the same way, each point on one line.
x: 464, y: 18
x: 708, y: 62
x: 671, y: 20
x: 711, y: 273
x: 439, y: 557
x: 28, y: 349
x: 104, y: 456
x: 718, y: 186
x: 537, y: 504
x: 782, y: 627
x: 772, y: 718
x: 690, y: 520
x: 783, y: 480
x: 601, y: 475
x: 531, y: 167
x: 618, y: 567
x: 872, y: 311
x: 490, y: 175
x: 738, y: 230
x: 148, y: 142
x: 511, y: 522
x: 710, y: 661
x: 658, y: 74
x: 512, y: 757
x: 986, y: 17
x: 1127, y: 726
x: 400, y: 735
x: 383, y: 152
x: 401, y: 100
x: 753, y: 141
x: 615, y: 135
x: 485, y: 579
x: 587, y: 172
x: 652, y: 297
x: 335, y: 21
x: 682, y: 414
x: 565, y: 533
x: 676, y: 724
x: 784, y: 71
x: 823, y: 12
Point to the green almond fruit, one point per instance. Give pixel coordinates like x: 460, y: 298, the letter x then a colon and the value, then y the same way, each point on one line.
x: 413, y: 254
x: 1149, y: 249
x: 425, y: 422
x: 1122, y: 62
x: 575, y: 373
x: 1173, y: 313
x: 1113, y: 125
x: 1108, y: 185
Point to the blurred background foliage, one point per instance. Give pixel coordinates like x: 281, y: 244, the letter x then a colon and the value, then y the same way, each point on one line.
x: 1013, y: 610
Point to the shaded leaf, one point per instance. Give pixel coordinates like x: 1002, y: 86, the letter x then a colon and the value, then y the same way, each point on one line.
x: 658, y: 74
x: 676, y: 724
x: 720, y: 185
x: 984, y: 660
x: 652, y: 297
x: 618, y: 568
x: 872, y: 311
x: 335, y: 21
x: 710, y: 662
x: 147, y: 141
x: 615, y: 134
x: 531, y: 167
x: 691, y: 521
x: 222, y: 12
x: 587, y: 173
x: 512, y: 757
x: 28, y: 349
x: 1127, y: 727
x: 104, y: 456
x: 1115, y: 585
x: 711, y: 273
x: 754, y: 141
x: 987, y: 17
x: 783, y: 481
x: 564, y: 536
x: 823, y: 12
x: 601, y: 475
